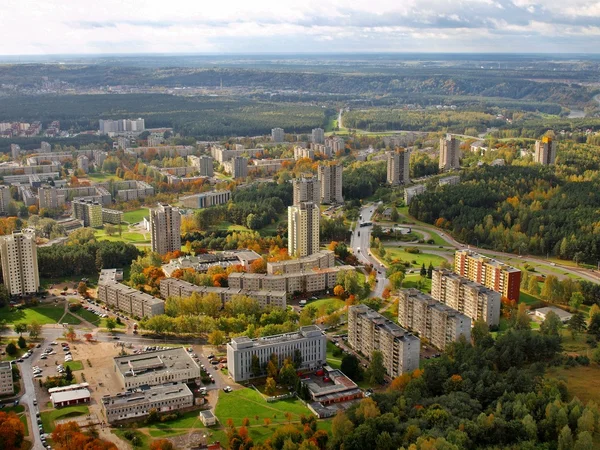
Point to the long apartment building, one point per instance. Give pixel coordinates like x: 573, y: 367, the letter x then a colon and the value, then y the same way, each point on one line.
x: 323, y: 259
x: 6, y: 378
x: 138, y: 404
x: 113, y: 216
x: 165, y: 229
x: 49, y: 198
x: 303, y: 152
x: 493, y: 274
x: 317, y: 280
x: 206, y: 199
x: 89, y: 211
x: 125, y: 298
x: 5, y: 198
x: 398, y: 161
x: 306, y: 189
x: 412, y: 192
x: 163, y: 150
x: 330, y: 179
x: 310, y: 341
x: 472, y: 299
x: 369, y: 331
x: 18, y: 253
x: 133, y: 190
x: 174, y: 365
x: 173, y: 287
x: 432, y: 320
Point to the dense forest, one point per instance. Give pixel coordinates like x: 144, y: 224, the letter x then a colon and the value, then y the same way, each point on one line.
x: 532, y: 209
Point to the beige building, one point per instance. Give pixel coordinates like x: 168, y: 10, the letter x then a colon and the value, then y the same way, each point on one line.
x: 18, y: 253
x: 493, y: 274
x: 306, y: 189
x: 310, y: 341
x: 174, y: 365
x: 449, y: 153
x: 132, y: 405
x: 6, y: 378
x: 206, y: 199
x: 237, y: 167
x: 369, y: 331
x: 89, y: 211
x: 545, y: 151
x: 113, y: 216
x: 165, y: 229
x: 277, y: 135
x: 432, y: 320
x: 125, y: 298
x: 470, y: 298
x: 173, y: 287
x: 50, y: 198
x: 133, y: 190
x: 412, y: 192
x: 334, y: 144
x: 83, y: 163
x: 203, y: 163
x: 303, y: 229
x: 323, y: 259
x: 318, y: 136
x: 5, y: 198
x: 303, y: 152
x: 330, y: 179
x: 398, y: 161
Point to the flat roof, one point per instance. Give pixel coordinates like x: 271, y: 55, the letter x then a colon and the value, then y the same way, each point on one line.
x: 207, y: 414
x: 158, y: 361
x: 561, y: 313
x: 66, y: 396
x: 154, y: 393
x: 5, y: 365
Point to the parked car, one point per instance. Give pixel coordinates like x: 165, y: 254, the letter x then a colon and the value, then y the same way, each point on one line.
x: 227, y: 389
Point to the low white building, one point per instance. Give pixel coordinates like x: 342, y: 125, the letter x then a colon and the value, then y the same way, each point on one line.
x: 563, y: 315
x: 309, y: 340
x: 208, y: 418
x: 68, y: 398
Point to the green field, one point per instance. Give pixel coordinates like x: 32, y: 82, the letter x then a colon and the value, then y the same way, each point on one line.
x: 74, y: 365
x: 334, y: 361
x: 247, y: 403
x: 126, y: 236
x: 136, y: 215
x: 144, y: 438
x: 327, y: 305
x: 102, y: 177
x: 70, y: 319
x: 410, y: 281
x: 583, y: 381
x: 48, y: 417
x: 42, y: 314
x: 228, y: 226
x: 419, y: 258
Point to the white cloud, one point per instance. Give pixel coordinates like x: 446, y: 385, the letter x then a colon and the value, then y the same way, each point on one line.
x: 117, y: 26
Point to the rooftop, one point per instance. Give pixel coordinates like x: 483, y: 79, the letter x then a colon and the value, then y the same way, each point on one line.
x: 159, y: 361
x: 65, y: 396
x: 154, y: 393
x: 383, y: 323
x: 304, y: 332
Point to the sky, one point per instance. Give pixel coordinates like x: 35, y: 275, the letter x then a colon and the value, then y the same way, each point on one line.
x: 282, y: 26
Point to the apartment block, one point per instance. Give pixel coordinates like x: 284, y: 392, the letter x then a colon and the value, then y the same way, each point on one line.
x: 306, y: 189
x: 136, y: 405
x: 221, y: 154
x: 173, y: 287
x: 449, y: 153
x: 323, y: 259
x: 83, y: 163
x: 18, y: 253
x: 432, y: 320
x: 5, y: 198
x: 89, y: 211
x: 165, y: 229
x: 203, y: 163
x: 330, y: 179
x: 112, y: 216
x: 109, y: 126
x: 303, y: 229
x: 369, y: 331
x: 314, y: 280
x: 545, y: 151
x: 398, y: 161
x: 493, y: 274
x: 206, y: 199
x: 163, y: 150
x: 318, y: 136
x: 49, y: 198
x: 277, y: 135
x: 451, y: 180
x: 133, y: 190
x: 174, y: 365
x: 334, y: 144
x: 15, y: 151
x: 6, y: 378
x: 412, y: 192
x: 127, y: 299
x: 303, y: 152
x: 237, y: 167
x: 472, y: 299
x: 310, y: 341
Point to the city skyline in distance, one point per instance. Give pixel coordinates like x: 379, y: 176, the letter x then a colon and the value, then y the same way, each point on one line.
x: 269, y: 26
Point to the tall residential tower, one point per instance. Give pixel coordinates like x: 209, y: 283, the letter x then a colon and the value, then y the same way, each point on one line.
x: 303, y: 229
x: 330, y: 179
x: 398, y: 166
x: 18, y: 252
x: 165, y: 229
x: 449, y: 153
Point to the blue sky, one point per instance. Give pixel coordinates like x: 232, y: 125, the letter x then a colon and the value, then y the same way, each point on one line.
x: 243, y: 26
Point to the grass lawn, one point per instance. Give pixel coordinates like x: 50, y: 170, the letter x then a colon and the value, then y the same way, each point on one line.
x: 328, y: 305
x: 334, y: 361
x: 247, y: 403
x: 228, y: 226
x: 48, y: 417
x: 145, y: 440
x: 419, y: 258
x: 70, y: 319
x: 101, y: 177
x: 411, y: 280
x: 74, y: 365
x: 127, y: 236
x: 583, y: 381
x: 42, y: 314
x: 136, y: 215
x: 577, y: 345
x: 72, y: 281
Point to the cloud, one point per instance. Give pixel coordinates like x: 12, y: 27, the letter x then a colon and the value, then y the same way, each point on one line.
x: 155, y: 26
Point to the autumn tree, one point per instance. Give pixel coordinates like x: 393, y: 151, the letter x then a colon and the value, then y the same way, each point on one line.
x: 162, y: 444
x: 34, y: 328
x: 20, y: 328
x: 70, y: 334
x: 338, y: 291
x: 12, y: 431
x: 216, y: 337
x: 270, y: 387
x: 82, y: 288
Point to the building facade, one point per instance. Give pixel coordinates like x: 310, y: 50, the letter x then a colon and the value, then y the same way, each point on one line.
x: 125, y: 298
x: 6, y: 378
x: 277, y: 135
x: 205, y: 166
x: 306, y: 189
x: 369, y: 331
x: 206, y: 199
x: 545, y: 151
x: 303, y: 229
x: 432, y: 320
x: 322, y: 259
x: 472, y: 299
x: 113, y: 216
x: 318, y: 136
x: 165, y: 229
x: 330, y: 179
x: 303, y: 152
x: 412, y: 192
x: 89, y: 211
x: 309, y: 341
x: 449, y: 153
x: 49, y: 198
x: 5, y: 198
x: 398, y: 161
x: 493, y: 274
x: 18, y: 253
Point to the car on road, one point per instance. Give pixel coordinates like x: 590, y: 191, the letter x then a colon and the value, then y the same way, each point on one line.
x: 116, y: 338
x: 53, y: 343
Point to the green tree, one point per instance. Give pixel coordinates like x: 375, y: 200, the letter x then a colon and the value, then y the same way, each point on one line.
x: 270, y: 387
x: 216, y: 337
x: 533, y: 286
x: 376, y: 369
x: 396, y: 280
x: 551, y: 324
x: 423, y: 270
x: 20, y: 328
x: 595, y: 309
x: 341, y: 427
x: 11, y: 349
x: 576, y: 300
x: 297, y: 358
x: 351, y: 367
x: 110, y: 323
x: 522, y: 321
x: 430, y: 271
x: 287, y: 374
x: 480, y: 333
x: 4, y: 296
x: 577, y: 324
x: 34, y: 329
x: 594, y: 326
x: 584, y: 441
x: 255, y: 366
x: 68, y: 374
x: 22, y: 342
x: 565, y: 439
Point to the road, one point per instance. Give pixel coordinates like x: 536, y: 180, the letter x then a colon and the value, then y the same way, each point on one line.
x: 360, y: 242
x: 339, y: 124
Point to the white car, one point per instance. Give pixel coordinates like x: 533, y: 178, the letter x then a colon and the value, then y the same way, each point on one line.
x: 38, y: 375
